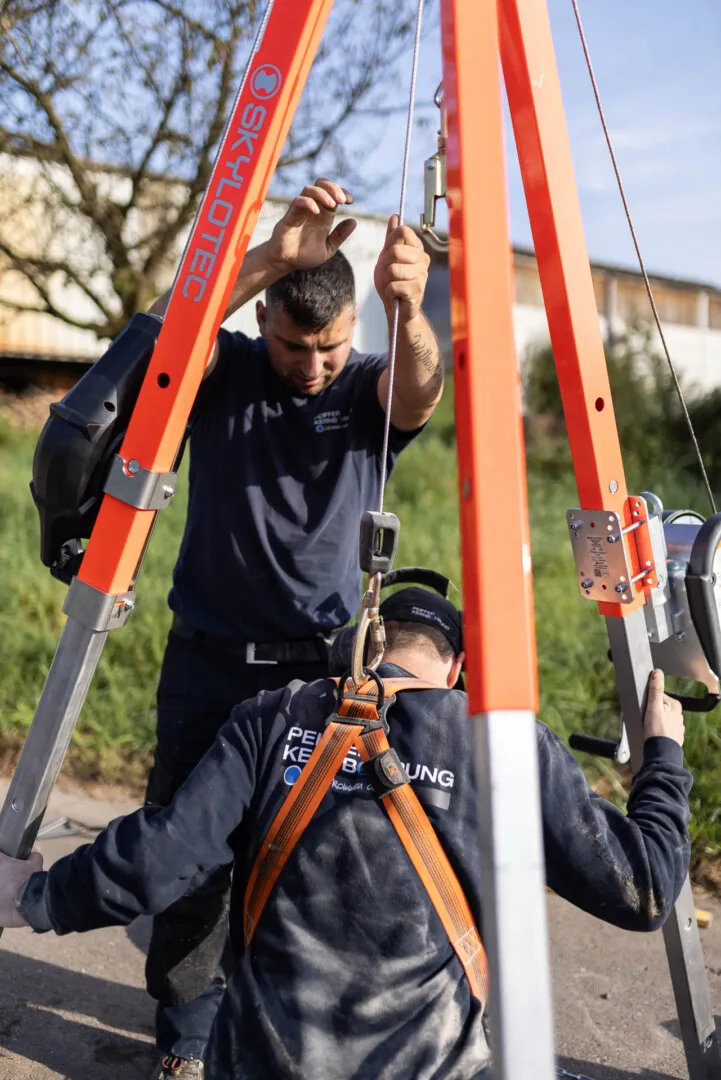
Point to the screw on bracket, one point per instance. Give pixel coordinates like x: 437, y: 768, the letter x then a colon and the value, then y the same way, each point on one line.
x: 587, y: 583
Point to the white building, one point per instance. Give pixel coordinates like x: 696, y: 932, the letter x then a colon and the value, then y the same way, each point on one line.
x: 690, y: 311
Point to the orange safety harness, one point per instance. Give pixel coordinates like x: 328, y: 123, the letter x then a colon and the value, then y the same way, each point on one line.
x: 360, y: 721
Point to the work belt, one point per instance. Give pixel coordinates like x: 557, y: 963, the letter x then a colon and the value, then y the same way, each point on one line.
x: 299, y: 651
x: 360, y: 721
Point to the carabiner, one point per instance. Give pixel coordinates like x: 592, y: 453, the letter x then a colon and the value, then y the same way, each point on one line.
x: 434, y: 181
x: 370, y: 620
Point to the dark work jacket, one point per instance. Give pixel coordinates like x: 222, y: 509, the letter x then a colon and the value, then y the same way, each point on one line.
x: 350, y: 974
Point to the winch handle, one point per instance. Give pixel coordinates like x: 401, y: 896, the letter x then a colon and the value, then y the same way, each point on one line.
x: 689, y: 703
x: 591, y: 744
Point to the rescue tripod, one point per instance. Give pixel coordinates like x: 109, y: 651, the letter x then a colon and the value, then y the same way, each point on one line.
x: 167, y: 362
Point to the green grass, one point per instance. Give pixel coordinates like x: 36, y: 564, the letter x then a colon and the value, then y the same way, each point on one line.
x: 114, y: 737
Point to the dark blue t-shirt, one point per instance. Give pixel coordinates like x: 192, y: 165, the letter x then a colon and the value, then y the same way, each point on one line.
x: 277, y: 487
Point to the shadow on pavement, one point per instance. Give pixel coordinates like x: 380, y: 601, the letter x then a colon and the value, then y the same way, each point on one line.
x: 674, y: 1028
x: 72, y: 1050
x: 30, y: 992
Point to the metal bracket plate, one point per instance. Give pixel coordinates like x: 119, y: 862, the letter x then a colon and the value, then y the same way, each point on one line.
x: 604, y: 570
x: 606, y: 552
x: 138, y: 487
x: 97, y: 610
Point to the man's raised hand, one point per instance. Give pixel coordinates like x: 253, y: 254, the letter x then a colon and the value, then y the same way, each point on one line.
x: 401, y: 272
x: 13, y: 874
x: 307, y: 235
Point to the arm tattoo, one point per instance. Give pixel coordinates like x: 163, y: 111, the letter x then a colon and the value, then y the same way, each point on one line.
x: 430, y: 362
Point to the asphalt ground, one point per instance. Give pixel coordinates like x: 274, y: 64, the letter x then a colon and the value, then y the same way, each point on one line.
x: 75, y: 1007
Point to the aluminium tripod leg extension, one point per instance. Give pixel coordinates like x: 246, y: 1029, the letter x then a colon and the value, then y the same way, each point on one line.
x: 60, y: 703
x: 632, y: 660
x: 91, y: 615
x: 513, y: 878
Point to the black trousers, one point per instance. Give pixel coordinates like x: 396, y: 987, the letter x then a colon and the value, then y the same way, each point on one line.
x: 200, y: 682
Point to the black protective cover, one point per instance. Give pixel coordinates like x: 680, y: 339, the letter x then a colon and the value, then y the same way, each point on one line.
x: 700, y: 585
x: 78, y: 441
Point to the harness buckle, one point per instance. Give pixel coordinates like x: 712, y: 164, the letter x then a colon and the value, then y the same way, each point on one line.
x: 380, y: 704
x: 250, y: 657
x: 386, y: 772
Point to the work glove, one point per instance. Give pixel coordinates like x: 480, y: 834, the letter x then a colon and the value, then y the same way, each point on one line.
x: 13, y: 874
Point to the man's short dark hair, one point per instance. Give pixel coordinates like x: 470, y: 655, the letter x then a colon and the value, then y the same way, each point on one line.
x: 315, y: 298
x: 413, y: 635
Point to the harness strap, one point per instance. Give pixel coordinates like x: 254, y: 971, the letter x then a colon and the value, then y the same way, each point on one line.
x: 431, y: 863
x: 404, y: 810
x: 298, y: 808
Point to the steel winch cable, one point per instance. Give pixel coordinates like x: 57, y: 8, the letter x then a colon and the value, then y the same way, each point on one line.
x: 393, y: 342
x: 370, y: 620
x: 639, y: 256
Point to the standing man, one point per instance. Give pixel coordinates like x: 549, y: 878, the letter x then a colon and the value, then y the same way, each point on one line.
x: 285, y: 445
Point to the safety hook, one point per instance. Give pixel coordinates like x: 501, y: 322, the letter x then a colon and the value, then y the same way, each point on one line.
x: 370, y: 622
x: 434, y: 181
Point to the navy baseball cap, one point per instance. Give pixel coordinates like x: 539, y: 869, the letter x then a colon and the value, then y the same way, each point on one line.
x: 430, y: 608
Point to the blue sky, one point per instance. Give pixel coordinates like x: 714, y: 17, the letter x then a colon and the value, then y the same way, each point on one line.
x: 658, y: 65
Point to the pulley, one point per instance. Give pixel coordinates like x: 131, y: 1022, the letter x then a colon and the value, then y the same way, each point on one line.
x: 378, y: 542
x: 674, y: 558
x: 684, y: 619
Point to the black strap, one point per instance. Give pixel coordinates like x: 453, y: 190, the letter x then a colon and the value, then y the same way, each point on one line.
x: 299, y: 651
x: 418, y: 575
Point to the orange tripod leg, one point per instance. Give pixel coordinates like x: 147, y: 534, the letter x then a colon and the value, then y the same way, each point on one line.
x: 99, y: 598
x: 497, y: 585
x: 534, y: 96
x: 539, y: 124
x: 248, y: 155
x: 497, y: 594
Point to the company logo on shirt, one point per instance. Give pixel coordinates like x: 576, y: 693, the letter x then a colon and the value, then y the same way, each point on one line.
x: 331, y: 420
x: 299, y: 745
x: 291, y: 774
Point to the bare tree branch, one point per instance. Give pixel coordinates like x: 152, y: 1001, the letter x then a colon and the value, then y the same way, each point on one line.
x: 111, y: 113
x: 42, y: 269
